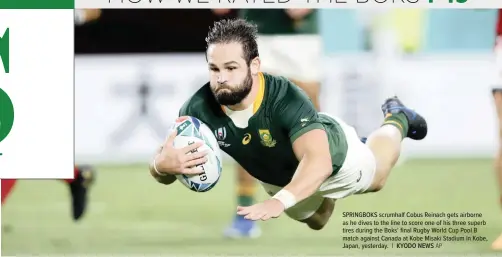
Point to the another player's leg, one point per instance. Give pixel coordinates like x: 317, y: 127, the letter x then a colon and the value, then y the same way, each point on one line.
x: 83, y: 177
x: 7, y: 187
x: 497, y: 95
x: 246, y: 190
x: 385, y: 143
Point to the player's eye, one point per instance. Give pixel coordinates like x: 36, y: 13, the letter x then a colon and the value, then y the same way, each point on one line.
x: 231, y: 68
x: 213, y: 68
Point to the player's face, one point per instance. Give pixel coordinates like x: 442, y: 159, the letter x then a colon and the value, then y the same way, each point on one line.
x: 231, y: 79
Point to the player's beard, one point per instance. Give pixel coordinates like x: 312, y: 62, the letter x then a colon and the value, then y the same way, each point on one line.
x: 233, y: 94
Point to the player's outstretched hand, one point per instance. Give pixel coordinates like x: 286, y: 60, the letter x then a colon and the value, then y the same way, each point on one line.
x: 185, y: 160
x: 271, y: 208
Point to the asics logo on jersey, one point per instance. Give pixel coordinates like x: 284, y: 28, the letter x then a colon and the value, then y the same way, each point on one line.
x: 246, y: 139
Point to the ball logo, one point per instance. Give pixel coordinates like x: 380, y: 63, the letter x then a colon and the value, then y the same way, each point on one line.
x: 6, y: 115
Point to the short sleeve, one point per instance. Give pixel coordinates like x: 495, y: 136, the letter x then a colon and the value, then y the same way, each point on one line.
x: 296, y: 113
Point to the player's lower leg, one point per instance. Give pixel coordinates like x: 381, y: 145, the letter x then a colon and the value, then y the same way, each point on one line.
x: 497, y: 96
x: 83, y: 177
x: 385, y: 143
x: 321, y: 217
x: 312, y: 90
x: 246, y: 190
x: 7, y: 187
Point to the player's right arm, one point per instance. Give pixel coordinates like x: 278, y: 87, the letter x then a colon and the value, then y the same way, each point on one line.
x: 165, y: 179
x: 169, y: 161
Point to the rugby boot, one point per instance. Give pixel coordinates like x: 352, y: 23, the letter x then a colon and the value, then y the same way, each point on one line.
x: 417, y: 126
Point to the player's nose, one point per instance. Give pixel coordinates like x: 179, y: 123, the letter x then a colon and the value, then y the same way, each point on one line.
x: 222, y: 80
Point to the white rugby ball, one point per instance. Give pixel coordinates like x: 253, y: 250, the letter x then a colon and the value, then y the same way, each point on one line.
x: 191, y: 130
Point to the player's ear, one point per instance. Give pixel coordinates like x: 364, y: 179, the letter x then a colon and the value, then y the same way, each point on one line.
x: 255, y: 66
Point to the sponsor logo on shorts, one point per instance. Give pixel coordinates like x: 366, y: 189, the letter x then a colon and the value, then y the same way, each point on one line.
x: 360, y: 176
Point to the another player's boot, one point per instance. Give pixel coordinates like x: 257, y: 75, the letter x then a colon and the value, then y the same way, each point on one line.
x: 79, y: 187
x: 242, y: 228
x: 416, y: 124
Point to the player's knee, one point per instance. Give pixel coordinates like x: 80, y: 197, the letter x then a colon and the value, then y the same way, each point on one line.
x: 318, y: 224
x: 321, y: 217
x: 379, y: 182
x: 379, y: 185
x: 317, y: 221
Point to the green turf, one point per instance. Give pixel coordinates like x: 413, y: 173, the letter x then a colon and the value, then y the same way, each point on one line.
x: 131, y: 214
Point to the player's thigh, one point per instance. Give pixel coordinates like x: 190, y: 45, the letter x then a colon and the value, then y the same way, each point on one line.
x: 297, y: 57
x: 497, y: 97
x: 302, y: 210
x: 358, y: 170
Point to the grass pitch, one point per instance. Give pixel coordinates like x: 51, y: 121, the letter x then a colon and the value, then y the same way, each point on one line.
x: 131, y: 214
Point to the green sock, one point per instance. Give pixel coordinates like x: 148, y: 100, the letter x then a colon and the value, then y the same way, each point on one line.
x: 244, y: 200
x: 399, y: 121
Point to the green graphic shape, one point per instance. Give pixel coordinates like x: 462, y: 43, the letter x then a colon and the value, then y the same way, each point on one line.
x: 4, y: 50
x: 37, y: 4
x: 6, y: 115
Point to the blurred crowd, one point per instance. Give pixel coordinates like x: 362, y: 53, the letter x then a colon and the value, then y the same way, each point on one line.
x: 164, y: 30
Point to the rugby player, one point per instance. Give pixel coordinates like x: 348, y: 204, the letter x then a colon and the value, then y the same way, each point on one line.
x: 304, y: 159
x: 79, y: 185
x: 281, y: 32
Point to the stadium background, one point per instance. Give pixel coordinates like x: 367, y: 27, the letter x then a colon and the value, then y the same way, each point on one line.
x: 134, y: 68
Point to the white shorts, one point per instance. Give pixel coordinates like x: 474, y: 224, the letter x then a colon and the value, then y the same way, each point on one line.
x: 296, y: 57
x: 355, y: 176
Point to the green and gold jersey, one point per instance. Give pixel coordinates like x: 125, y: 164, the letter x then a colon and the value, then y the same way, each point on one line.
x: 278, y: 22
x: 280, y: 114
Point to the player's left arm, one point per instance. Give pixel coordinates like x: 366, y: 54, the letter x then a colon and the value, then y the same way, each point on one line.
x: 310, y: 144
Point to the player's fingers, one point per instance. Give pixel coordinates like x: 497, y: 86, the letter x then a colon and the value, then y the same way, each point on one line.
x: 190, y: 148
x: 171, y: 137
x: 266, y: 217
x: 196, y: 155
x: 192, y: 171
x: 243, y: 211
x: 196, y: 162
x: 255, y: 215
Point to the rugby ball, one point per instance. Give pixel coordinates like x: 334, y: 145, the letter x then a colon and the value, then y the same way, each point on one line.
x: 189, y: 131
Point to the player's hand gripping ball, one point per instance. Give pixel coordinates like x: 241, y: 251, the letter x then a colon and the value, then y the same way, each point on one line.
x: 189, y: 131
